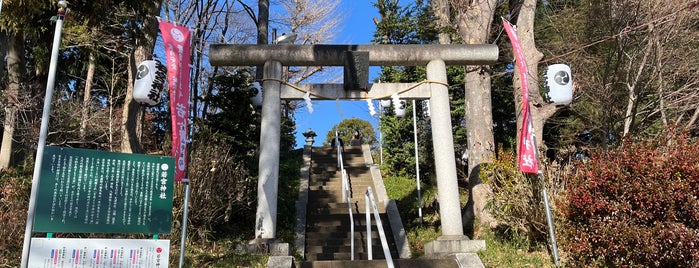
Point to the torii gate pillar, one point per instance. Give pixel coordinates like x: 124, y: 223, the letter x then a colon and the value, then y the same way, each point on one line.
x: 444, y: 160
x: 270, y: 137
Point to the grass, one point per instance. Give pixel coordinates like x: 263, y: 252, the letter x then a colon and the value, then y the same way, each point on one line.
x: 222, y: 253
x: 502, y: 252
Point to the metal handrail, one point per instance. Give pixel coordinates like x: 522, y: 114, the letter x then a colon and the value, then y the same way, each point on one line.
x: 369, y: 199
x: 346, y: 193
x: 348, y: 197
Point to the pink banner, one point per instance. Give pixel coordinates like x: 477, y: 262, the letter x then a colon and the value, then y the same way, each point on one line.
x: 176, y: 40
x: 528, y: 161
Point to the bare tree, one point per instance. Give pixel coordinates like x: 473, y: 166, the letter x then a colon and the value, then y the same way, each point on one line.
x: 660, y: 83
x: 630, y: 64
x: 315, y: 22
x: 87, y: 96
x: 540, y: 110
x: 474, y: 19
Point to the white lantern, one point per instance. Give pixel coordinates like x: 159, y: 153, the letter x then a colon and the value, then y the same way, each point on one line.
x: 256, y: 89
x: 150, y: 79
x: 385, y: 103
x: 400, y: 108
x: 559, y: 84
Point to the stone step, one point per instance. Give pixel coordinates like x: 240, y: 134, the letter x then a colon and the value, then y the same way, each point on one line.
x: 318, y: 201
x: 346, y: 256
x: 337, y: 183
x: 341, y: 209
x: 355, y: 191
x: 341, y: 225
x: 359, y: 239
x: 402, y: 263
x: 358, y: 209
x: 341, y: 237
x: 358, y: 248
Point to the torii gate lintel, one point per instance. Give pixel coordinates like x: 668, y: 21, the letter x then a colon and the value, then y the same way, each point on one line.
x: 373, y: 92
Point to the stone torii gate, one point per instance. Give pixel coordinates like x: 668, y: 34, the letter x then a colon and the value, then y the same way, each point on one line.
x: 434, y: 57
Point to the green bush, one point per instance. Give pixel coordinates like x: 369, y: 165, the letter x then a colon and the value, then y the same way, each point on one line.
x: 517, y: 202
x: 635, y: 206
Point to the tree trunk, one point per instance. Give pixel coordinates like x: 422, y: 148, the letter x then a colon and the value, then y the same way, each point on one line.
x: 132, y: 112
x: 132, y: 116
x: 15, y: 71
x: 441, y: 11
x: 474, y: 20
x: 633, y: 88
x: 3, y: 49
x: 87, y: 97
x: 262, y: 30
x: 540, y: 110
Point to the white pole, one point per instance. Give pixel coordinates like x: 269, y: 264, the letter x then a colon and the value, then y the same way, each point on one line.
x: 184, y: 221
x: 417, y: 166
x: 380, y: 138
x: 367, y: 214
x: 43, y: 132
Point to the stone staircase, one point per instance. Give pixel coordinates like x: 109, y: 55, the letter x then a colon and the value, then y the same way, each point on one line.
x: 328, y: 227
x: 323, y: 232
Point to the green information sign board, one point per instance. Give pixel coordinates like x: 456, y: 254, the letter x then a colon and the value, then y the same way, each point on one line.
x: 91, y: 191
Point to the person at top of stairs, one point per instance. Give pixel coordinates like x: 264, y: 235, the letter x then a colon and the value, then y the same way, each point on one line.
x: 356, y: 138
x: 342, y: 144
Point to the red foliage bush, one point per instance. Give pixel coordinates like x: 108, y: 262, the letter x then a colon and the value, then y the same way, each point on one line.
x: 635, y: 206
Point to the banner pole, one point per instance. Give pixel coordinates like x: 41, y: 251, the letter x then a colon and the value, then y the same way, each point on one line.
x: 552, y: 235
x: 43, y: 132
x: 528, y: 159
x: 177, y: 42
x: 184, y: 221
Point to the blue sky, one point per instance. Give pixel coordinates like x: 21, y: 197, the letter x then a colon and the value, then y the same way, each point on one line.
x: 358, y: 28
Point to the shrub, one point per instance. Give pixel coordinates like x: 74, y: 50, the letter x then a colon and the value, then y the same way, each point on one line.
x: 635, y: 206
x: 517, y: 203
x: 15, y: 186
x: 223, y: 191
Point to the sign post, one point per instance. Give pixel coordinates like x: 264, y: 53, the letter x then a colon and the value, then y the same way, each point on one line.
x: 43, y: 131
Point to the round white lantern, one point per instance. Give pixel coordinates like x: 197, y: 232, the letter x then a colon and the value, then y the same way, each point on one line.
x: 400, y: 108
x: 256, y: 90
x: 559, y: 84
x: 150, y: 79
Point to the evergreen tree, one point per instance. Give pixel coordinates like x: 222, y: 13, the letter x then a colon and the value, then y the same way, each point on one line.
x: 414, y: 24
x: 346, y: 130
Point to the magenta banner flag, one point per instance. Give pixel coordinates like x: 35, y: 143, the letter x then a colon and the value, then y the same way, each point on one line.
x: 176, y: 40
x: 528, y: 161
